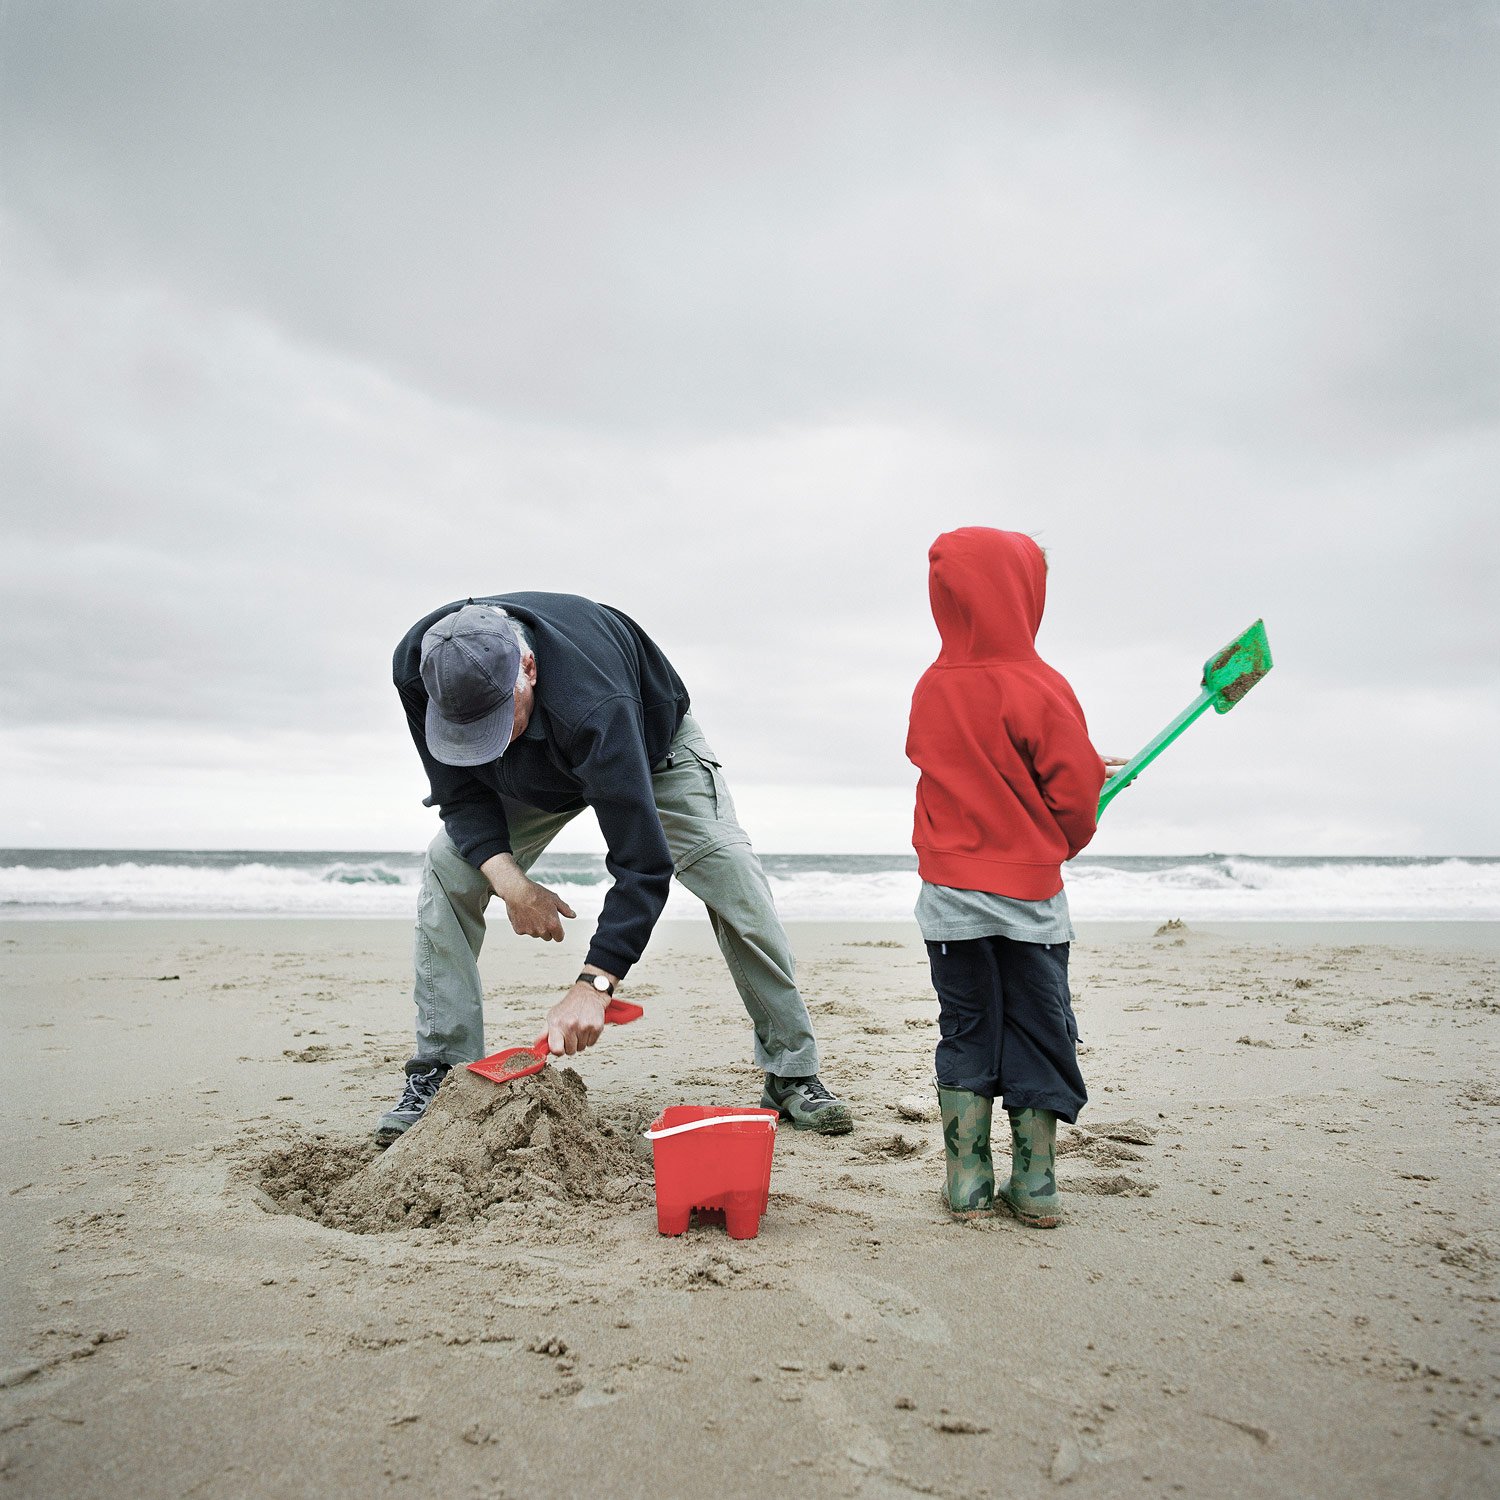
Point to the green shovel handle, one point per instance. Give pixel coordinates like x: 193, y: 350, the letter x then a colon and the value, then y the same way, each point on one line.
x: 1143, y: 758
x: 1227, y: 677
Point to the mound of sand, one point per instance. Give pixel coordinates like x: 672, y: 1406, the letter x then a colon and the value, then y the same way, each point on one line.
x: 478, y: 1146
x: 297, y: 1179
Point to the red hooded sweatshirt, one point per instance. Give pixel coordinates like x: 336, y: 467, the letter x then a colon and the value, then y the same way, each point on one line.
x: 1010, y: 783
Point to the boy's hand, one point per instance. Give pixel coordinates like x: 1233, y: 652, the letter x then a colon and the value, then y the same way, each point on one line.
x: 1113, y: 765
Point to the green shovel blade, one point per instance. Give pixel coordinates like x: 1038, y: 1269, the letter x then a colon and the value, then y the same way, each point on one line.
x: 1227, y: 676
x: 1237, y: 668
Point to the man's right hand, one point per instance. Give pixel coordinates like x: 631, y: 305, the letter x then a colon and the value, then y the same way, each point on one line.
x: 534, y: 911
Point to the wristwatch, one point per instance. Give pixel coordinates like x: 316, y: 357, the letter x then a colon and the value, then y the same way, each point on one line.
x: 598, y: 982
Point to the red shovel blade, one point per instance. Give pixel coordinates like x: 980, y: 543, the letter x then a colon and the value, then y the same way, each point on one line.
x: 522, y: 1062
x: 512, y: 1063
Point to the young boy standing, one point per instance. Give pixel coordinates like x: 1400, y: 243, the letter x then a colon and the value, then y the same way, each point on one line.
x: 1009, y: 790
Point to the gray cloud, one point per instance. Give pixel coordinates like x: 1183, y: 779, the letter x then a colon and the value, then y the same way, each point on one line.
x: 692, y: 215
x: 319, y: 316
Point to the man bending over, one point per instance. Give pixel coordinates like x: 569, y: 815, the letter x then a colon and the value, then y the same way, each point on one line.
x: 527, y: 708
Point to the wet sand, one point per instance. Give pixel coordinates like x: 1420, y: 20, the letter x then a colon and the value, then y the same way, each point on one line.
x: 1276, y: 1277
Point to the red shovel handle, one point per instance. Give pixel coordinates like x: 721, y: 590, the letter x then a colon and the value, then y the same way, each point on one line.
x: 502, y: 1067
x: 616, y: 1013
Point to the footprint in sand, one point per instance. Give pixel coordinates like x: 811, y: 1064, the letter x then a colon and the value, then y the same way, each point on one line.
x: 868, y: 1306
x: 896, y: 1146
x: 856, y: 1447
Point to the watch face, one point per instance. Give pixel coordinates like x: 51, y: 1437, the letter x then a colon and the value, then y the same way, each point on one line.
x: 600, y: 983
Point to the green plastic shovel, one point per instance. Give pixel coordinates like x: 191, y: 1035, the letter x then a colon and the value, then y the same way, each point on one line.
x: 1227, y: 677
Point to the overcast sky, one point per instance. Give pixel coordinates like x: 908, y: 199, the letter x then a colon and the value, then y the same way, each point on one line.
x: 317, y: 315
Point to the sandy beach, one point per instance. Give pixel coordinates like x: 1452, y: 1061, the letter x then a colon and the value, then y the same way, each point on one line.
x: 1276, y: 1276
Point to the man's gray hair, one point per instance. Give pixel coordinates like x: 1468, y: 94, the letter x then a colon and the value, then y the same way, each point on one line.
x: 519, y: 631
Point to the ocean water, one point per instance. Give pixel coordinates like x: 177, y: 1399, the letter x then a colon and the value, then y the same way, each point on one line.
x: 55, y: 883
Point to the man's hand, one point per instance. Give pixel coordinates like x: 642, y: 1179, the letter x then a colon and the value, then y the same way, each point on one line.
x: 1113, y: 765
x: 534, y: 911
x: 575, y: 1021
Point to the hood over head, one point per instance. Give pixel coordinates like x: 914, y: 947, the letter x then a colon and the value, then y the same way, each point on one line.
x: 988, y: 589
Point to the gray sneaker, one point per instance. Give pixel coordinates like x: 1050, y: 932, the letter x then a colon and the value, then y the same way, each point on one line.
x: 422, y: 1080
x: 807, y: 1104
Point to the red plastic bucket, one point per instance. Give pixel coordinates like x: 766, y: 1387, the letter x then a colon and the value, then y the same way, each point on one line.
x: 707, y: 1158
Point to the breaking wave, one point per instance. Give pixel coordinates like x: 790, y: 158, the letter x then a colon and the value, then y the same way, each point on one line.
x: 807, y: 887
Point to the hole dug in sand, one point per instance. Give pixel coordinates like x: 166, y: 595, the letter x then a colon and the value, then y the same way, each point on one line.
x: 479, y: 1145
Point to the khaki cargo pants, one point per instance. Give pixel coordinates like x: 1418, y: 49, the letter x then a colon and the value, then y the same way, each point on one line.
x: 711, y: 856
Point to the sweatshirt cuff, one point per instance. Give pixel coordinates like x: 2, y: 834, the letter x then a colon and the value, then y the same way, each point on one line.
x: 611, y: 960
x: 476, y: 854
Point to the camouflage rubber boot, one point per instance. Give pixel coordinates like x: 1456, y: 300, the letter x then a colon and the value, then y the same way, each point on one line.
x: 970, y: 1193
x: 1031, y: 1193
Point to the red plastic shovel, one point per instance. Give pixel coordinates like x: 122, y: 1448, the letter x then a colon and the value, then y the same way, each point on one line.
x: 521, y: 1062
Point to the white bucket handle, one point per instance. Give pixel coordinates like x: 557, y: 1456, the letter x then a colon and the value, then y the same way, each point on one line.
x: 657, y: 1135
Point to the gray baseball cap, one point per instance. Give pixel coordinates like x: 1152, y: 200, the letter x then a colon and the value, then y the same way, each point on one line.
x: 469, y: 664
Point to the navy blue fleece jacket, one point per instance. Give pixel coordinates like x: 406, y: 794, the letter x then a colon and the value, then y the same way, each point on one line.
x: 608, y: 703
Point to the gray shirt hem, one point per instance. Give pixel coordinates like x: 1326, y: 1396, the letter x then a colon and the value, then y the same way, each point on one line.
x: 946, y: 914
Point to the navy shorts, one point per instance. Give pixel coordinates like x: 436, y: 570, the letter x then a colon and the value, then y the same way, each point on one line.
x: 1006, y: 1023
